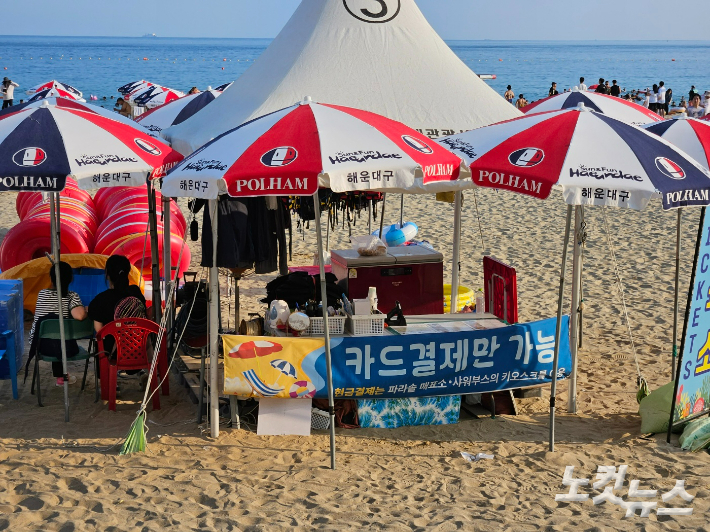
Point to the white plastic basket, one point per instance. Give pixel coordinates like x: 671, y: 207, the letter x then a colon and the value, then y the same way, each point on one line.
x: 319, y: 420
x: 372, y: 325
x: 336, y: 324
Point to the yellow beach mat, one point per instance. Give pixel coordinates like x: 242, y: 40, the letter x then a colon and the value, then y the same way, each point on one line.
x: 35, y: 274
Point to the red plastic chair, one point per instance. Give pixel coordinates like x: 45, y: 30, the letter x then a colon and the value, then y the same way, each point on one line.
x: 131, y: 337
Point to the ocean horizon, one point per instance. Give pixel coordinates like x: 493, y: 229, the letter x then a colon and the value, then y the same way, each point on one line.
x: 99, y: 65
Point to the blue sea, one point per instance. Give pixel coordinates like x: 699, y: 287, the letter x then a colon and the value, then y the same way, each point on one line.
x: 98, y: 65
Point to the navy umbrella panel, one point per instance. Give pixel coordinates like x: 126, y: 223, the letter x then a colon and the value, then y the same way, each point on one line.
x: 41, y: 146
x: 175, y: 112
x: 55, y: 93
x: 32, y: 157
x: 624, y: 110
x: 130, y: 87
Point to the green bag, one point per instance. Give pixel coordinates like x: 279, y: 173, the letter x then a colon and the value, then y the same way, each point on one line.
x: 696, y: 435
x: 655, y: 410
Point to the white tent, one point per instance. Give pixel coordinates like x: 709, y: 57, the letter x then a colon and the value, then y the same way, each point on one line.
x: 377, y: 55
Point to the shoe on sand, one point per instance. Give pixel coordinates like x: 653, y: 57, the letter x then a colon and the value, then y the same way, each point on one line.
x: 60, y: 380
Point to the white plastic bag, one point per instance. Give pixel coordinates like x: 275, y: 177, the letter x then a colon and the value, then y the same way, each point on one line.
x: 368, y: 246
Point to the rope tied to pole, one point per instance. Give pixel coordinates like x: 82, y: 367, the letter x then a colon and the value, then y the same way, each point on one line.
x: 643, y: 390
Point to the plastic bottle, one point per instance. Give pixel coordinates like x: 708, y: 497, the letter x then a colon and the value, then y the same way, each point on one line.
x: 480, y: 302
x: 372, y: 296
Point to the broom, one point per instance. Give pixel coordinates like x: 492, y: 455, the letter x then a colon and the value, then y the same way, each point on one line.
x: 135, y: 441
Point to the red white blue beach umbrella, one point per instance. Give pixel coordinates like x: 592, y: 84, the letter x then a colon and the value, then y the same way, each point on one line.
x: 689, y: 134
x: 155, y: 96
x: 626, y: 111
x: 223, y: 87
x: 47, y: 85
x: 41, y: 146
x: 175, y: 112
x: 71, y: 104
x: 295, y: 150
x: 56, y: 93
x: 133, y: 86
x: 596, y: 159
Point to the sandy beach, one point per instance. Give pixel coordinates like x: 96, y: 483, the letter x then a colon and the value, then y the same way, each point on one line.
x: 69, y: 476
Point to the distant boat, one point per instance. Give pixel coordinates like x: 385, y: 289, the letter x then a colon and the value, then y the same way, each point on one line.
x: 150, y: 35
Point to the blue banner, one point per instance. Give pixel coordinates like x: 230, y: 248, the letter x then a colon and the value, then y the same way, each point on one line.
x: 692, y: 388
x: 421, y: 365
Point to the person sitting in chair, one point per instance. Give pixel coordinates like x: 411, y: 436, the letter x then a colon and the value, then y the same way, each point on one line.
x: 102, y: 309
x: 48, y: 308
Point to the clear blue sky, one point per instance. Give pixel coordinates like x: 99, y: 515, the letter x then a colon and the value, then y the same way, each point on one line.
x: 453, y: 19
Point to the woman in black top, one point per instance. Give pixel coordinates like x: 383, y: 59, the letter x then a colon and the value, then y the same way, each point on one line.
x: 103, y: 307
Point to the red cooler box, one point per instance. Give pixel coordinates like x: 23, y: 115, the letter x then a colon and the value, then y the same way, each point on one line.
x: 412, y: 275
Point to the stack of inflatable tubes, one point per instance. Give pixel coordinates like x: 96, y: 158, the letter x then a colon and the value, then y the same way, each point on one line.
x: 31, y: 238
x: 124, y: 226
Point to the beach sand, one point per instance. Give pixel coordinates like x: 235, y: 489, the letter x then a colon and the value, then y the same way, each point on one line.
x: 68, y: 476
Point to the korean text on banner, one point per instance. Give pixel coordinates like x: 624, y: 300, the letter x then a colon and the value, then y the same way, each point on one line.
x: 693, y: 385
x: 394, y: 366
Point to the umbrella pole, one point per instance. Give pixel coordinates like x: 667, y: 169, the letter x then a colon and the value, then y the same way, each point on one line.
x: 574, y: 318
x: 167, y: 267
x: 54, y: 216
x: 558, y: 328
x: 456, y: 263
x: 326, y: 328
x: 327, y: 233
x: 214, y: 325
x: 401, y: 212
x: 382, y: 216
x: 369, y: 217
x: 675, y: 300
x: 154, y: 252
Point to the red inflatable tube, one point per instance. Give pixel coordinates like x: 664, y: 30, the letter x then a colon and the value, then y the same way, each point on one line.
x: 133, y: 250
x: 105, y: 196
x: 67, y: 220
x: 32, y: 239
x: 113, y: 236
x: 134, y: 203
x: 74, y: 210
x: 27, y: 200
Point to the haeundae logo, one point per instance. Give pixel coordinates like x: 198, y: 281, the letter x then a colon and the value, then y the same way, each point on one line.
x: 669, y: 168
x: 373, y: 11
x: 29, y: 157
x: 526, y: 157
x: 281, y: 156
x: 417, y: 144
x: 148, y: 147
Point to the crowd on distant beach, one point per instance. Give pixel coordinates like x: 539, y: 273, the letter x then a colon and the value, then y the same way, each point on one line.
x: 657, y: 98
